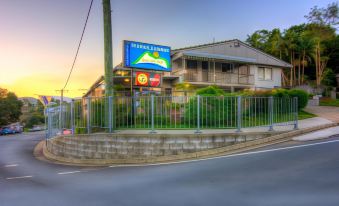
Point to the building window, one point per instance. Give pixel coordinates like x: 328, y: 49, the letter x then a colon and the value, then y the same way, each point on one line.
x: 204, y: 65
x: 265, y: 73
x: 168, y: 91
x: 227, y: 67
x: 191, y: 64
x: 244, y: 70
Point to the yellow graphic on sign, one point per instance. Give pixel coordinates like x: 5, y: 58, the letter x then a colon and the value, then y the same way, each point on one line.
x: 142, y: 79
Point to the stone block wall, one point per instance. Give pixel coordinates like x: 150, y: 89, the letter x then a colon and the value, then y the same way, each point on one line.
x: 127, y: 146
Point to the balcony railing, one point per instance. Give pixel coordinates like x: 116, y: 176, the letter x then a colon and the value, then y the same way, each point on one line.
x: 219, y: 77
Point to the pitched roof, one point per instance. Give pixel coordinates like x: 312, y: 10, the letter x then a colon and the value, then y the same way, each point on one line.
x: 232, y: 50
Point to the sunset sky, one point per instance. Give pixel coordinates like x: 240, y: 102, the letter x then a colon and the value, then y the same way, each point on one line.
x: 38, y: 38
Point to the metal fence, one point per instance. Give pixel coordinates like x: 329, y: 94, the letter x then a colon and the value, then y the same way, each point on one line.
x: 107, y: 114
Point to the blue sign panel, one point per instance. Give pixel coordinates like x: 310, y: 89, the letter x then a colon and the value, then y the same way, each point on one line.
x: 147, y: 56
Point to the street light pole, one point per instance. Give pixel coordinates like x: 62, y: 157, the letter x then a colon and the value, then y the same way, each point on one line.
x: 108, y: 48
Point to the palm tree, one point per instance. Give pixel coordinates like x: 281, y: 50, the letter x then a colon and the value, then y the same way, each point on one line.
x: 275, y: 43
x: 320, y: 34
x: 290, y: 39
x: 306, y: 46
x: 258, y: 39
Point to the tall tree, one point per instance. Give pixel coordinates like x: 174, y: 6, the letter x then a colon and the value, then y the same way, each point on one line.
x: 275, y: 43
x: 332, y: 51
x: 321, y: 34
x: 10, y: 107
x: 306, y: 47
x: 258, y: 39
x: 290, y: 39
x: 324, y: 16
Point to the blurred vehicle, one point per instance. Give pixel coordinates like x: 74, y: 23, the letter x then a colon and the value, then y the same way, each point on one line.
x: 6, y: 130
x: 36, y: 128
x: 64, y: 132
x: 16, y: 127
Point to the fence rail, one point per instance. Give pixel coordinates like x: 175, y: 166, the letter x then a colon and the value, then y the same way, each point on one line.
x: 106, y: 114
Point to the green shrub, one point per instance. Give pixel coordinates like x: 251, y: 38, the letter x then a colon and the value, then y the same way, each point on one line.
x: 212, y: 111
x: 280, y: 93
x: 34, y: 119
x: 210, y: 91
x: 329, y: 78
x: 256, y: 93
x: 80, y: 130
x: 301, y: 95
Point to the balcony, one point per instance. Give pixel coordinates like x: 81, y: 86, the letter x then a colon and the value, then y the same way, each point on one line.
x: 219, y: 77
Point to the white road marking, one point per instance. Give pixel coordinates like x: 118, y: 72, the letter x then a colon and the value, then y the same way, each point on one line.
x: 71, y: 172
x: 20, y: 177
x: 12, y: 165
x: 227, y: 156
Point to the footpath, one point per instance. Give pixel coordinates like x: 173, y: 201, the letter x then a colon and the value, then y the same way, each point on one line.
x: 324, y: 113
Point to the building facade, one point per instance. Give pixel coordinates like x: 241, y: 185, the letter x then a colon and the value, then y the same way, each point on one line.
x: 232, y: 65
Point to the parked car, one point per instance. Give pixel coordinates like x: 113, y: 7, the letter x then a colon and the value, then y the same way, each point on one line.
x: 6, y: 130
x: 18, y: 129
x: 36, y: 128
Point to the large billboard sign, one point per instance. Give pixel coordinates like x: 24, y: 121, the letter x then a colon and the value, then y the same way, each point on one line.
x: 147, y: 56
x: 147, y: 79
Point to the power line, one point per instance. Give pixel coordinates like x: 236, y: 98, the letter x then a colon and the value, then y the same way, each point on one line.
x: 76, y: 54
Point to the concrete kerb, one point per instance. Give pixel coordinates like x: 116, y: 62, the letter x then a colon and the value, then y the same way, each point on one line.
x: 222, y: 151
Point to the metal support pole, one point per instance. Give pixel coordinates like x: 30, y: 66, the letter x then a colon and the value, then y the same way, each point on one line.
x: 270, y: 107
x: 72, y: 116
x: 110, y: 117
x: 88, y: 115
x: 60, y: 111
x: 296, y: 113
x: 198, y: 115
x: 46, y: 123
x: 49, y: 124
x: 239, y: 114
x: 152, y: 114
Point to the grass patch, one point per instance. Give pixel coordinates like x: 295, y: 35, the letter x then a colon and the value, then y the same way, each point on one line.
x: 329, y: 102
x: 305, y: 115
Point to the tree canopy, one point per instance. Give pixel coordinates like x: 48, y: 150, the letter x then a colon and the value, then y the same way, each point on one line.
x: 310, y: 47
x: 10, y: 107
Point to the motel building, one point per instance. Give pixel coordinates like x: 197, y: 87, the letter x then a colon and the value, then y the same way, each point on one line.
x: 231, y: 65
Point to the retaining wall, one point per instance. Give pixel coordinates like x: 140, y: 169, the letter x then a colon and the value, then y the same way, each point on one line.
x: 126, y: 146
x: 108, y: 149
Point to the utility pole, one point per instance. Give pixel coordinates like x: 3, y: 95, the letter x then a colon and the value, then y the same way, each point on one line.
x: 108, y: 48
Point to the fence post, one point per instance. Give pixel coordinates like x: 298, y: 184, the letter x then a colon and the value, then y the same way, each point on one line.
x: 198, y: 115
x: 88, y: 115
x: 271, y: 107
x: 110, y: 114
x: 239, y: 114
x: 50, y: 123
x: 47, y: 123
x: 152, y: 114
x: 72, y: 116
x: 60, y: 117
x: 295, y: 112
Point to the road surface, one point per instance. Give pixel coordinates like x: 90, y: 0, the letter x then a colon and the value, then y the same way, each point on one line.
x: 296, y: 175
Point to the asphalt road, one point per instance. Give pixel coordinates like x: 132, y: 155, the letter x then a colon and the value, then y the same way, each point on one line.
x: 306, y: 175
